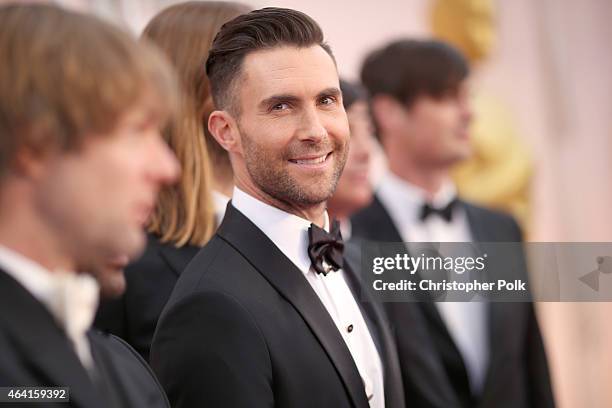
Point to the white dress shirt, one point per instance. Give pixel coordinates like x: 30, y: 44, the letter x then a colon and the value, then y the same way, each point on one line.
x: 71, y: 298
x: 465, y: 321
x: 290, y: 234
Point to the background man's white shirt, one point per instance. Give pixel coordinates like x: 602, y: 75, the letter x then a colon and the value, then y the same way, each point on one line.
x: 465, y: 321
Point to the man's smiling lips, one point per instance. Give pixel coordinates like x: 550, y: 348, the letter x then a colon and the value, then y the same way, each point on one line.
x: 312, y: 161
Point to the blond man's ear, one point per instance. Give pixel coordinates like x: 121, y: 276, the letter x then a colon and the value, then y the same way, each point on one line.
x: 30, y: 162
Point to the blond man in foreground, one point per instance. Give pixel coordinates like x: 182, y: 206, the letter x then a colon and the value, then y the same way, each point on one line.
x: 81, y: 162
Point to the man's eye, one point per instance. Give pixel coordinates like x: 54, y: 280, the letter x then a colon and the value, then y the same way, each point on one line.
x: 327, y: 100
x: 280, y: 107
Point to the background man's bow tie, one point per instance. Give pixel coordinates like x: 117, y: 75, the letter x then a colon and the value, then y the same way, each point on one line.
x: 445, y: 212
x: 325, y: 249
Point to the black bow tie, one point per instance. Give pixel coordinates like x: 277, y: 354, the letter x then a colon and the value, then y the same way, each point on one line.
x: 325, y: 249
x: 446, y: 212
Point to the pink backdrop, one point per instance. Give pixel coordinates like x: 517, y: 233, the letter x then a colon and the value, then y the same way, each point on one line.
x: 553, y: 68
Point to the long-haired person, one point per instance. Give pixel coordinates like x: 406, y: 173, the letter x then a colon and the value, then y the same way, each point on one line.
x: 354, y: 190
x: 184, y: 218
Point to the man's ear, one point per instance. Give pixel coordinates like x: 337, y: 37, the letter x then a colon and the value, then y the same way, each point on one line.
x: 29, y: 162
x: 388, y: 112
x: 224, y: 128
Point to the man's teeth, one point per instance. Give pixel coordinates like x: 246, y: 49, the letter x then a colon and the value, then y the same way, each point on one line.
x: 317, y: 160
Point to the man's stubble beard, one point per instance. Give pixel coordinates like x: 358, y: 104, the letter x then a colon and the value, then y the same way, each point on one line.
x: 276, y: 181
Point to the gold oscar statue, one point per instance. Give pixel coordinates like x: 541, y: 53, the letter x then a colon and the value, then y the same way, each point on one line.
x: 499, y: 173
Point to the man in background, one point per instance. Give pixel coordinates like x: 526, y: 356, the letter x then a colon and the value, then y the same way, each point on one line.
x: 459, y: 354
x: 354, y: 190
x: 81, y: 161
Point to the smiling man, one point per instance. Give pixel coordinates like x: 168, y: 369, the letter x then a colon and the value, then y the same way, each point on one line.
x: 292, y: 141
x: 267, y: 315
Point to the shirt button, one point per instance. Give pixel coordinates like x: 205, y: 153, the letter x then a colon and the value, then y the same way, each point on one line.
x: 349, y: 328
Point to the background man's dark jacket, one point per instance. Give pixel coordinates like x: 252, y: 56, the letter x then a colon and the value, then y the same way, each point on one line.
x: 35, y: 351
x: 433, y: 369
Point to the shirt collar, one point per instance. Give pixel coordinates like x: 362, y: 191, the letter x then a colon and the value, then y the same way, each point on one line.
x: 405, y: 200
x: 220, y: 201
x: 287, y: 231
x: 31, y: 275
x: 71, y: 298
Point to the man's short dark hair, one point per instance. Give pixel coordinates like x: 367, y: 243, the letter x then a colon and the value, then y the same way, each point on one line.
x: 408, y: 69
x: 260, y: 29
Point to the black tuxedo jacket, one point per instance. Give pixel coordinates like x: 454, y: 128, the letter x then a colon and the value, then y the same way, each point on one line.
x: 244, y: 328
x: 34, y: 351
x: 150, y: 281
x: 432, y: 366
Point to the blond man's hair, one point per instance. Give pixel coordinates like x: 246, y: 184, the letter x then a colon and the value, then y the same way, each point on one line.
x: 184, y: 32
x: 68, y: 76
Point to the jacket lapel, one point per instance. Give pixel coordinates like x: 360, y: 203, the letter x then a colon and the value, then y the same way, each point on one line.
x: 289, y: 281
x: 388, y: 229
x: 499, y: 313
x: 381, y: 228
x: 177, y: 258
x: 381, y: 333
x: 43, y: 344
x: 376, y: 224
x: 477, y: 226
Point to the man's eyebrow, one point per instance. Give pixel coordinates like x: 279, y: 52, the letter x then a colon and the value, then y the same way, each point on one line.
x: 275, y: 99
x: 331, y: 91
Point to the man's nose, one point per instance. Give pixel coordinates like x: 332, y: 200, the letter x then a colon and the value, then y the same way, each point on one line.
x: 361, y: 148
x: 311, y: 127
x: 467, y: 111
